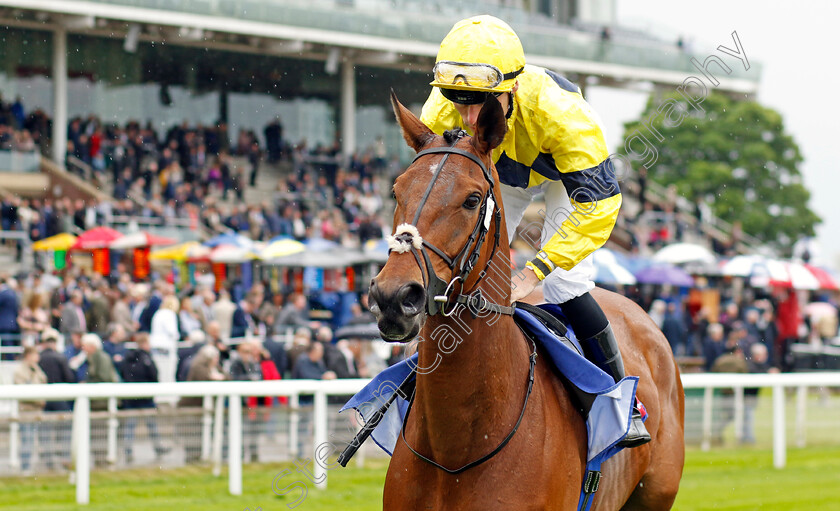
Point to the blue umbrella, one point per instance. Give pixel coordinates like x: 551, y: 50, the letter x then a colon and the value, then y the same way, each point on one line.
x: 664, y: 274
x: 236, y: 240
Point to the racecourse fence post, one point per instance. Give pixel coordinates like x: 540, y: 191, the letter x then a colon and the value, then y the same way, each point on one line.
x: 779, y: 454
x: 81, y: 428
x: 113, y: 424
x: 14, y: 436
x: 708, y: 395
x: 235, y: 444
x: 218, y: 431
x: 739, y: 413
x: 801, y: 412
x: 294, y: 421
x: 320, y: 472
x: 206, y: 427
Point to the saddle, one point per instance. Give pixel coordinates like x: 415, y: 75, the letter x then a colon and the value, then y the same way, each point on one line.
x: 552, y: 318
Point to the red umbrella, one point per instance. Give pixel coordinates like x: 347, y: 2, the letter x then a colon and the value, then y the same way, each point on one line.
x: 141, y: 239
x: 827, y: 280
x: 98, y: 237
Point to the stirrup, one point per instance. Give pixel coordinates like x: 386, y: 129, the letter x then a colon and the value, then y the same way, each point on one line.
x: 637, y: 434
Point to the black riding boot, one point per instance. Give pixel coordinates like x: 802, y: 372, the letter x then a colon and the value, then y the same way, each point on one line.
x: 602, y: 350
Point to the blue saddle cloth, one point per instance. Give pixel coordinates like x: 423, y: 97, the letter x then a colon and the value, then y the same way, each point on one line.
x: 607, y: 423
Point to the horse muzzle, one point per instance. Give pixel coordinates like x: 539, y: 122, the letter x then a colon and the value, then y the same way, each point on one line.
x: 401, y: 312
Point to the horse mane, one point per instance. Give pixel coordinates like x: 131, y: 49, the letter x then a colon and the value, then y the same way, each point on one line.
x: 453, y: 135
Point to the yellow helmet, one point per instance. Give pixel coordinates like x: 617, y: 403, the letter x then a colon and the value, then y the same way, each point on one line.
x: 479, y: 54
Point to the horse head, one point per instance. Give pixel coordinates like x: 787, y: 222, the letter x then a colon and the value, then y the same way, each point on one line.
x: 447, y: 222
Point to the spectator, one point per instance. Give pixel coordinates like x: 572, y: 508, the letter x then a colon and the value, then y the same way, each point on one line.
x: 758, y: 363
x: 788, y: 320
x: 294, y: 314
x: 98, y: 311
x: 73, y: 315
x: 731, y: 361
x: 222, y: 312
x: 310, y: 365
x: 675, y: 330
x: 713, y: 345
x: 187, y: 351
x: 205, y: 367
x: 9, y: 312
x: 246, y: 367
x: 76, y: 356
x: 164, y: 338
x: 139, y: 367
x: 54, y: 436
x: 114, y: 344
x: 121, y: 312
x: 28, y: 372
x: 188, y: 319
x: 100, y: 370
x: 33, y: 319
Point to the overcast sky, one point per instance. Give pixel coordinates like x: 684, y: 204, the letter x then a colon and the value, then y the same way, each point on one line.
x: 796, y: 45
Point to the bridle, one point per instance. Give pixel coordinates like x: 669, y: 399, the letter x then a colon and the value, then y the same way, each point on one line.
x: 438, y: 291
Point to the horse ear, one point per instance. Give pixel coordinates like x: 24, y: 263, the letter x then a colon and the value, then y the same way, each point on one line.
x: 490, y: 126
x: 415, y: 133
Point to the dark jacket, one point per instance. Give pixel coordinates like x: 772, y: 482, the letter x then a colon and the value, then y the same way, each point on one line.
x: 138, y: 367
x: 306, y: 369
x: 9, y: 309
x: 55, y: 366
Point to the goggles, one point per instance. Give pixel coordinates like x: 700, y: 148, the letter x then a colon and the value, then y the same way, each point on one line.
x: 469, y: 76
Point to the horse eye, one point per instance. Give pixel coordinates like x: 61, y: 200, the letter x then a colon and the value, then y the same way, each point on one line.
x: 472, y: 201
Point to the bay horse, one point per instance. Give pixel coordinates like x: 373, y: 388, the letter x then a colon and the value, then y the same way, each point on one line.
x: 473, y: 371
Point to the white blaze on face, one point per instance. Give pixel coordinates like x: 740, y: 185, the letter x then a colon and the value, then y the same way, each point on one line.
x: 433, y: 167
x: 409, y: 238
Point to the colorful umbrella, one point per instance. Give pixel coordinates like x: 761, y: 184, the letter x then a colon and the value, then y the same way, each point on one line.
x: 745, y: 266
x: 61, y: 241
x: 181, y: 252
x: 98, y: 237
x: 664, y: 274
x: 231, y: 254
x: 681, y: 253
x: 826, y: 280
x: 788, y: 274
x: 140, y: 239
x: 281, y: 248
x: 236, y: 240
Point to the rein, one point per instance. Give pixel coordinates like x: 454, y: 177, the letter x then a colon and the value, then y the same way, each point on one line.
x: 438, y: 291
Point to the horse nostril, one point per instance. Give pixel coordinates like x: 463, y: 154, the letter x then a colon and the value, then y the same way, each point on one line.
x: 373, y: 297
x: 411, y: 298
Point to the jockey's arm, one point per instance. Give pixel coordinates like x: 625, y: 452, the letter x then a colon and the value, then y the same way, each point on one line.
x: 577, y: 146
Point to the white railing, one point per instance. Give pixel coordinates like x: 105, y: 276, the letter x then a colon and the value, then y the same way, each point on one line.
x: 214, y: 394
x: 210, y: 391
x: 779, y: 383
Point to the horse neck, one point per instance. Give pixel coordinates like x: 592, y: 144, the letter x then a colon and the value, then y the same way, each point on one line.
x: 473, y: 376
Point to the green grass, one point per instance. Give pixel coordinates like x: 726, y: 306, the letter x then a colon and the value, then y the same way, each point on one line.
x: 725, y: 479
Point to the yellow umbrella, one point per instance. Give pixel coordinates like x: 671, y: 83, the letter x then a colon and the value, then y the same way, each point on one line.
x: 180, y: 252
x: 61, y: 241
x: 281, y: 248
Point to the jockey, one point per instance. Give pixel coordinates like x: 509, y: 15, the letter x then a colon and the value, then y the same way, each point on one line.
x: 554, y: 146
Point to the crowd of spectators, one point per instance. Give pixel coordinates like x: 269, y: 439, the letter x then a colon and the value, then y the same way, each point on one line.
x: 192, y: 175
x: 81, y: 329
x: 775, y: 322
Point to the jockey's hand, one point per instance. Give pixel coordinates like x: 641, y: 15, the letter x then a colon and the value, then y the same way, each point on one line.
x: 522, y: 284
